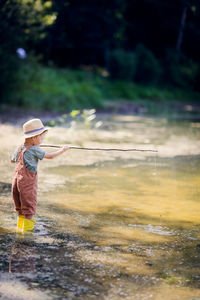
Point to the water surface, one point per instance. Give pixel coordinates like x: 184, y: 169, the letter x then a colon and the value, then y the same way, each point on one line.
x: 110, y: 225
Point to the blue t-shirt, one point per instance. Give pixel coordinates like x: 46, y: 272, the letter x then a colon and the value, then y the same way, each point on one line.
x: 31, y: 157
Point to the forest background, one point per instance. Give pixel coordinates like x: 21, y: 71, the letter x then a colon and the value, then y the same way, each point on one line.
x: 72, y: 54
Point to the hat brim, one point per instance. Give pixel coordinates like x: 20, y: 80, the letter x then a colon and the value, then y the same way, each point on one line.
x: 36, y: 133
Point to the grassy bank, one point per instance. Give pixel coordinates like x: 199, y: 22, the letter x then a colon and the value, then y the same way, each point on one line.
x: 40, y: 88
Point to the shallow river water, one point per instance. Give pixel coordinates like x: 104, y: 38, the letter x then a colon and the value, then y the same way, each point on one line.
x: 110, y: 225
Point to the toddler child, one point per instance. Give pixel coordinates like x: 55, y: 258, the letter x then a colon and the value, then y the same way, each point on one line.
x: 24, y: 184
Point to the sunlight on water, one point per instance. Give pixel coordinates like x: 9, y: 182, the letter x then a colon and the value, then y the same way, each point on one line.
x: 127, y: 222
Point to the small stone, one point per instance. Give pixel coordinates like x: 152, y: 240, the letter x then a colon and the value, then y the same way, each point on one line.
x: 148, y: 264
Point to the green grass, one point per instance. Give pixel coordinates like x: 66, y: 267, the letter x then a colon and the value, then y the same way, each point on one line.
x: 48, y: 88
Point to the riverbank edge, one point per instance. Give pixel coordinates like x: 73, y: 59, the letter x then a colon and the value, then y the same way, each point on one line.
x: 173, y: 109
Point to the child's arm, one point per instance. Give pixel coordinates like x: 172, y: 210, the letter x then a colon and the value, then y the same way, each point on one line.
x: 14, y: 156
x: 57, y: 153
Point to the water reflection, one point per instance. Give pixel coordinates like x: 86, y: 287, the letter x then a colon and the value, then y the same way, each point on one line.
x: 22, y: 258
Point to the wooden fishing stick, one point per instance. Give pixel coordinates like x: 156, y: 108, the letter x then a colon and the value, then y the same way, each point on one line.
x: 100, y: 149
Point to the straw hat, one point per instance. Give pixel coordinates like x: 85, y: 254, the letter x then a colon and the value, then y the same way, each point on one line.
x: 33, y: 127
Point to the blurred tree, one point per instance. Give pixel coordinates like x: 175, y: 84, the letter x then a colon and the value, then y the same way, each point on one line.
x: 10, y: 16
x: 157, y: 24
x: 121, y: 64
x: 191, y: 34
x: 182, y: 26
x: 84, y: 31
x: 77, y: 32
x: 148, y: 69
x: 22, y: 24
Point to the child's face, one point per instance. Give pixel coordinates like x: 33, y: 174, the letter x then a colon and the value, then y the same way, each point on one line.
x: 39, y: 139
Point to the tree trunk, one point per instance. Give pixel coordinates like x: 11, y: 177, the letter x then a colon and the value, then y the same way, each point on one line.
x: 181, y: 29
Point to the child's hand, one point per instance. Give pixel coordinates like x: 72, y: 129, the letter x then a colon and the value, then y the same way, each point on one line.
x: 57, y: 153
x: 65, y: 148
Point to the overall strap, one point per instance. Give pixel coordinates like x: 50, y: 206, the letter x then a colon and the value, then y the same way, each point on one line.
x: 26, y: 147
x: 20, y: 153
x: 20, y: 149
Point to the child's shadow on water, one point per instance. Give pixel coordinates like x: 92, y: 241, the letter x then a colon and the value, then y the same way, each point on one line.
x: 23, y: 257
x: 24, y: 252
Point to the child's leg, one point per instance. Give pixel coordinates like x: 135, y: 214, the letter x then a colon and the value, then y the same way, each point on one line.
x: 17, y: 202
x: 29, y: 217
x: 28, y: 197
x: 16, y: 196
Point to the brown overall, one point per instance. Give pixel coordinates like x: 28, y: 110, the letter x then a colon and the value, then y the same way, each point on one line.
x: 24, y: 187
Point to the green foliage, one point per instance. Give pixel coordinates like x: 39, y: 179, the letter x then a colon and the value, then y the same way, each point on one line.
x: 85, y: 118
x: 54, y: 89
x: 74, y: 113
x: 77, y: 33
x: 180, y: 70
x: 83, y: 31
x: 121, y: 64
x: 141, y: 66
x: 148, y: 69
x: 44, y: 88
x: 10, y: 15
x: 22, y: 24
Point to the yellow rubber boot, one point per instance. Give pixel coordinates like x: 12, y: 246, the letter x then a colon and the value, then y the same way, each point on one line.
x: 28, y: 225
x: 20, y: 223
